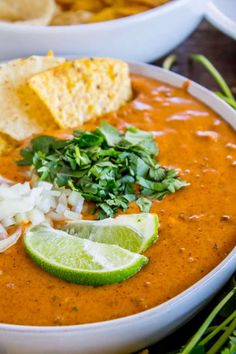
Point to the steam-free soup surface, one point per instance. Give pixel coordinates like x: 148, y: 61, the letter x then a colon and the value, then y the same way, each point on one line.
x: 198, y: 223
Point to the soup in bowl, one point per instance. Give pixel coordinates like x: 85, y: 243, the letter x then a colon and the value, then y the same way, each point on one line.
x: 187, y: 263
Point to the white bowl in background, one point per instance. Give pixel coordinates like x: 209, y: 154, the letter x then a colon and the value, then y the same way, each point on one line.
x: 222, y: 14
x: 132, y: 333
x: 143, y: 37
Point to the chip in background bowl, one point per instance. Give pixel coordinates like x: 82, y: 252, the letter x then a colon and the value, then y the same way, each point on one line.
x: 63, y: 18
x: 36, y: 12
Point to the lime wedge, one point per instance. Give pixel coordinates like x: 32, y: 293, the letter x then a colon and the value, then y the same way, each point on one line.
x: 79, y: 260
x: 134, y: 232
x: 146, y: 224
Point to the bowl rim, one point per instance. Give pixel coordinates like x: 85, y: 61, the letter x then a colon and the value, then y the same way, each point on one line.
x: 220, y: 20
x: 104, y: 25
x: 229, y: 115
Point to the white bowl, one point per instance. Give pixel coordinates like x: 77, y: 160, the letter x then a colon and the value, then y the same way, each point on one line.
x: 222, y: 14
x: 143, y: 37
x: 129, y: 334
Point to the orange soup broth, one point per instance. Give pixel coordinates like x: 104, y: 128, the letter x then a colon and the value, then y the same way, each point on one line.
x: 198, y: 223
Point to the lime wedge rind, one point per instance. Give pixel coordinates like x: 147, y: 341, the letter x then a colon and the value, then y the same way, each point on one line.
x: 44, y: 240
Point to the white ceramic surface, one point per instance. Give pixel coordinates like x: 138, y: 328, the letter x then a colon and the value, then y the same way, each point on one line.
x: 131, y: 333
x: 143, y: 37
x: 222, y: 14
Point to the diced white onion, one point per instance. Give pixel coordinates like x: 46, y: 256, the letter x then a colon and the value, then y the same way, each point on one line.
x: 61, y: 208
x: 5, y: 181
x: 71, y: 215
x: 66, y: 192
x: 20, y: 203
x: 79, y: 206
x: 53, y: 203
x: 10, y: 207
x: 21, y: 218
x: 44, y: 204
x: 36, y: 216
x: 8, y: 222
x: 45, y: 185
x: 21, y: 188
x: 74, y: 198
x: 62, y: 199
x: 55, y: 193
x: 10, y: 241
x: 55, y: 216
x: 3, y: 232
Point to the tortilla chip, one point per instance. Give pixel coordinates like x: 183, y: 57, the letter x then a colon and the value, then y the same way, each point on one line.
x: 152, y: 3
x: 130, y: 10
x: 81, y: 89
x: 71, y: 18
x: 65, y: 2
x: 100, y: 10
x: 22, y: 113
x: 36, y: 12
x: 107, y: 14
x: 88, y: 5
x: 6, y: 144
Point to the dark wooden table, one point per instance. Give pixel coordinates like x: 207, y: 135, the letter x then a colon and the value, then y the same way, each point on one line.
x: 221, y: 50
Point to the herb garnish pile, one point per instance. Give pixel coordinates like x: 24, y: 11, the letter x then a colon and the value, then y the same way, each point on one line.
x: 107, y: 167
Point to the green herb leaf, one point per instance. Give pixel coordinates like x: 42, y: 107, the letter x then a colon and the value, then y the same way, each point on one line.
x: 88, y: 139
x: 107, y: 167
x: 142, y: 139
x: 28, y: 156
x: 43, y: 143
x: 144, y: 204
x: 110, y: 133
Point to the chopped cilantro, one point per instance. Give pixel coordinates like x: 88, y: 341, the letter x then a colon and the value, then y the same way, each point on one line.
x: 144, y: 204
x: 107, y: 167
x: 74, y: 309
